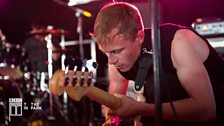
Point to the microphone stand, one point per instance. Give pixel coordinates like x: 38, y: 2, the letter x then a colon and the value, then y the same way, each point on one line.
x: 50, y: 68
x: 156, y: 47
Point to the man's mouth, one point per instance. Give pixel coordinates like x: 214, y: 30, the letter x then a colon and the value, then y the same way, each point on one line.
x: 118, y: 66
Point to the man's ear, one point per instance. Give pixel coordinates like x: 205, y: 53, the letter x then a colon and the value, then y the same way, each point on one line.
x: 140, y: 37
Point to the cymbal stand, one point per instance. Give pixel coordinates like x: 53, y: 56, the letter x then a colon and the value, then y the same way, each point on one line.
x: 50, y: 68
x: 78, y: 14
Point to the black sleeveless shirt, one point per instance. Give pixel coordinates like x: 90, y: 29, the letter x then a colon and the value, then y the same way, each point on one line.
x: 171, y: 89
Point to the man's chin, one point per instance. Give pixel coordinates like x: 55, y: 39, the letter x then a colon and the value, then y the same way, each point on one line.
x: 124, y: 69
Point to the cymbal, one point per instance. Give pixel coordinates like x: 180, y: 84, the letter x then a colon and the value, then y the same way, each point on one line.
x: 52, y: 31
x: 12, y: 73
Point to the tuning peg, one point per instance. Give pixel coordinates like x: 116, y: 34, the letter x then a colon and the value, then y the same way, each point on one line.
x: 66, y: 82
x: 70, y: 62
x: 79, y: 64
x: 74, y: 81
x: 91, y: 64
x: 82, y: 81
x: 89, y: 81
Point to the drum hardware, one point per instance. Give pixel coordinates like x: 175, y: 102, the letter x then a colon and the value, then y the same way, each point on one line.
x: 11, y: 57
x: 35, y: 82
x: 46, y: 32
x: 4, y: 77
x: 73, y: 43
x: 48, y: 39
x: 80, y: 32
x: 43, y: 85
x: 10, y: 73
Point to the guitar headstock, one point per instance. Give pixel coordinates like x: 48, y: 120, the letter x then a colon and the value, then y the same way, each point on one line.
x: 76, y: 80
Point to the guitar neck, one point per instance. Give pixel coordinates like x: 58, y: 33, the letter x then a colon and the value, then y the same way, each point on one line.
x: 78, y: 91
x: 104, y: 98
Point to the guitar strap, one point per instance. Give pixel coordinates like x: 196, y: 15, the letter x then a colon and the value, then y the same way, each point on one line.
x: 145, y: 62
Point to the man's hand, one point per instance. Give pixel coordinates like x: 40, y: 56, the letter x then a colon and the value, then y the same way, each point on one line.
x: 112, y: 121
x: 109, y: 121
x: 128, y: 109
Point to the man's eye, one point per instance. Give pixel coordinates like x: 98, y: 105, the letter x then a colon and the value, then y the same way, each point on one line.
x: 117, y: 51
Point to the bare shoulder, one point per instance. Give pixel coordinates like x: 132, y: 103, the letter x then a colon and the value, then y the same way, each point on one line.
x: 192, y: 38
x: 187, y: 43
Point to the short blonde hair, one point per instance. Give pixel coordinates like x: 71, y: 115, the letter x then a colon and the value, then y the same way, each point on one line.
x: 121, y: 15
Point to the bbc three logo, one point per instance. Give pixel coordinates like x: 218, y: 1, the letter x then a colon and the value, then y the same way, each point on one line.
x: 16, y: 107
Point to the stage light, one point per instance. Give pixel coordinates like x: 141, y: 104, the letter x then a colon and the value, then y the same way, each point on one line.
x: 76, y: 2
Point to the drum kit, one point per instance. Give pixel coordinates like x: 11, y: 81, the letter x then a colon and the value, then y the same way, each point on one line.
x: 17, y: 80
x: 11, y: 58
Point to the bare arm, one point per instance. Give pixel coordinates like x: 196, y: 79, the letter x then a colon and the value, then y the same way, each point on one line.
x: 118, y: 84
x: 188, y: 53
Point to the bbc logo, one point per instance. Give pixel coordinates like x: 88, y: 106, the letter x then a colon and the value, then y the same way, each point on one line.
x: 15, y: 107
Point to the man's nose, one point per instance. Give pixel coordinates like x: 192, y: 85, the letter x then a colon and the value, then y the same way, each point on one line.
x: 111, y: 59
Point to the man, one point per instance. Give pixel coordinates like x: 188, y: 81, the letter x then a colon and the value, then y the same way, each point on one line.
x: 192, y: 85
x: 35, y: 45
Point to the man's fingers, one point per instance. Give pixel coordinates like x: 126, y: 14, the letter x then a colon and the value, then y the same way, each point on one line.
x: 108, y: 122
x: 111, y: 122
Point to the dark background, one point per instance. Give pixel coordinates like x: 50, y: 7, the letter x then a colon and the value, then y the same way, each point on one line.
x: 15, y: 15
